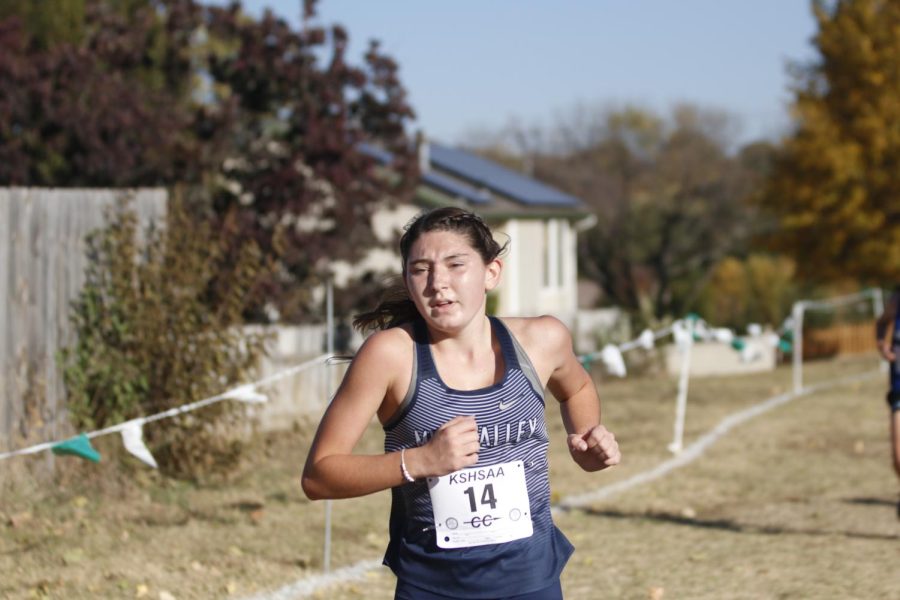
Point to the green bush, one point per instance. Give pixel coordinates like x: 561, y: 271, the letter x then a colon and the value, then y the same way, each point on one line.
x: 158, y: 325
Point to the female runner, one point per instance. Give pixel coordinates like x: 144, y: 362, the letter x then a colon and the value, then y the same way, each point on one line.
x: 461, y: 398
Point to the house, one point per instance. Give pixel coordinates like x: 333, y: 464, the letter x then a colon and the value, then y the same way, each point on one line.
x: 540, y: 268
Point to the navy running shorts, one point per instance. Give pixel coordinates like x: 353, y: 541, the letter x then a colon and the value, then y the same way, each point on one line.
x: 893, y: 400
x: 893, y: 395
x: 407, y: 591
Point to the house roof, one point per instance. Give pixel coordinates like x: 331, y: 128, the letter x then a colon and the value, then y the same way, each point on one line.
x: 454, y: 176
x: 491, y: 176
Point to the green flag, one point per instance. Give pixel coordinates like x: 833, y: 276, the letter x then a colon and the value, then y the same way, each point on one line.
x: 79, y: 445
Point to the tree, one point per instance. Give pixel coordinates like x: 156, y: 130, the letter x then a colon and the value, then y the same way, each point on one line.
x: 268, y: 120
x: 668, y: 198
x: 292, y: 171
x: 74, y: 110
x: 758, y: 289
x: 835, y: 186
x: 48, y: 22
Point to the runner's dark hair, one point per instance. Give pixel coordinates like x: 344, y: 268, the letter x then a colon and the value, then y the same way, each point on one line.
x: 395, y: 306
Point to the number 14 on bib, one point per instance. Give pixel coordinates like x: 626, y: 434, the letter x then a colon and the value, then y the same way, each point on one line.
x: 484, y: 505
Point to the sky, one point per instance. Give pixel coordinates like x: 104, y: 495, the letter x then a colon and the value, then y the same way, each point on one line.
x: 474, y: 66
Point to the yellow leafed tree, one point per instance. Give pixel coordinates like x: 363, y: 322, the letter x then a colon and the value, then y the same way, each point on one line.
x: 835, y: 187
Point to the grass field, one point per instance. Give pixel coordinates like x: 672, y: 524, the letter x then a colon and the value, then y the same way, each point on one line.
x: 799, y: 502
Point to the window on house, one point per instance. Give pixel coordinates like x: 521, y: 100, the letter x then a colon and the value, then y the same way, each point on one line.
x: 560, y: 253
x: 553, y: 254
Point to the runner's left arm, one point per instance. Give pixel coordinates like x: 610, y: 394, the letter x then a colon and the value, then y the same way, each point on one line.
x: 591, y: 445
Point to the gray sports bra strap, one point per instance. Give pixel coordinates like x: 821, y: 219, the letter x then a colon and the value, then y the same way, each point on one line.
x: 404, y: 406
x: 524, y: 362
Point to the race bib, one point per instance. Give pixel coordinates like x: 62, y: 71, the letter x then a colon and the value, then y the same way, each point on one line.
x: 484, y: 505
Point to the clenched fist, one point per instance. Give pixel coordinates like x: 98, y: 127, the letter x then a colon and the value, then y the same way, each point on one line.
x: 453, y: 446
x: 595, y: 449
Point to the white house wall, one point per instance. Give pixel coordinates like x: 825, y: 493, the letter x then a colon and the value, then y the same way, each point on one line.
x: 540, y: 272
x: 559, y: 290
x: 570, y: 267
x: 509, y: 292
x: 386, y: 224
x: 520, y: 281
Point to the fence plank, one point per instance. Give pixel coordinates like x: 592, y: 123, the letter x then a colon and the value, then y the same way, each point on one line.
x: 846, y: 338
x: 42, y: 263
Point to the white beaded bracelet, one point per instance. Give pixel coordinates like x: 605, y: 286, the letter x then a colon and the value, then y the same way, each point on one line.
x: 406, y: 474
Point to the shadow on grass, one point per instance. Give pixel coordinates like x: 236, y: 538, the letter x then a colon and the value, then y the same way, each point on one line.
x: 732, y: 526
x: 871, y: 501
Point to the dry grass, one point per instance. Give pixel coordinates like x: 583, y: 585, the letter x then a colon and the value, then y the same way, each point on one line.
x: 797, y: 503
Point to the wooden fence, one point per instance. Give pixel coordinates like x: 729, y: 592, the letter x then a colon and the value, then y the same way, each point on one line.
x: 847, y: 338
x: 42, y: 264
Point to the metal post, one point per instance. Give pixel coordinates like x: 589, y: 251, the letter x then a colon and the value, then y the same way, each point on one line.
x: 878, y: 301
x: 681, y: 402
x: 329, y: 315
x: 878, y: 307
x: 329, y: 337
x: 797, y: 317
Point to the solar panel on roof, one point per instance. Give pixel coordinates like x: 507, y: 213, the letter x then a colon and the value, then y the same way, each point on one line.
x: 491, y: 175
x: 484, y: 176
x: 438, y: 180
x: 456, y: 188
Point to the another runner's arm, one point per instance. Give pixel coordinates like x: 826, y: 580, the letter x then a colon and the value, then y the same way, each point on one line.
x: 884, y: 323
x: 332, y: 470
x: 591, y: 445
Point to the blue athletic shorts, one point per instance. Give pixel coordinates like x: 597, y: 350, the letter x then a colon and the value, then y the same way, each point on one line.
x: 893, y: 395
x: 407, y: 591
x: 893, y: 400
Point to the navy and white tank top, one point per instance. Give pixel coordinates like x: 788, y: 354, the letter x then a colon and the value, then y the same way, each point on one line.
x: 511, y: 426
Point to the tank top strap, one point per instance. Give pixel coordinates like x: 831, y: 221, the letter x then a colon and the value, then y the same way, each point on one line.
x: 425, y: 367
x: 510, y: 358
x: 519, y: 359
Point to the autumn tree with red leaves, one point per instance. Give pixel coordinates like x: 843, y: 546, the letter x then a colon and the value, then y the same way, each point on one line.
x: 247, y: 113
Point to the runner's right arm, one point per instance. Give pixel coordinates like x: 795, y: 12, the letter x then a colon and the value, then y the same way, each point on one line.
x: 333, y: 471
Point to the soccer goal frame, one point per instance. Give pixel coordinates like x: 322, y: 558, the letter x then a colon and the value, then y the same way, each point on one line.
x: 875, y: 295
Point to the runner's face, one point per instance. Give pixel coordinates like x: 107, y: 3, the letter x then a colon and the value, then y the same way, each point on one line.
x: 447, y: 279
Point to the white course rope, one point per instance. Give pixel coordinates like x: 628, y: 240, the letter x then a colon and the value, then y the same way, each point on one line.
x: 629, y: 345
x: 310, y: 585
x: 695, y: 450
x: 227, y: 395
x: 636, y: 343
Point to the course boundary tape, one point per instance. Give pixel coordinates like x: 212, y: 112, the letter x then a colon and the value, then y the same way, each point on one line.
x: 696, y: 449
x: 310, y: 585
